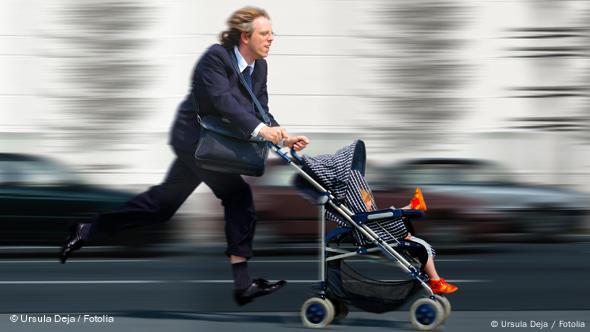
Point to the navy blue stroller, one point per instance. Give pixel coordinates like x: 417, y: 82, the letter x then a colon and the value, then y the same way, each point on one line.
x: 334, y: 182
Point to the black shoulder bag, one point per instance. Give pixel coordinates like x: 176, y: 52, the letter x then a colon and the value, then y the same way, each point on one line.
x: 222, y: 147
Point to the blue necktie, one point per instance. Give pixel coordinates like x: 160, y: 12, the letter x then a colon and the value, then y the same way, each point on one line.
x: 247, y: 77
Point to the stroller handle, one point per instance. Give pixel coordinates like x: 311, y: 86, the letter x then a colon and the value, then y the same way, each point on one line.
x: 296, y: 156
x: 278, y: 150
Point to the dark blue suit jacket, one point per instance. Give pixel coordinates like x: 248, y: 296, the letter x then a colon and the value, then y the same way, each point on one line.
x: 218, y: 91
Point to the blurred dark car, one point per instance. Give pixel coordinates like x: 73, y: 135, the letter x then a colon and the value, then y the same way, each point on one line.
x: 468, y: 201
x: 40, y: 199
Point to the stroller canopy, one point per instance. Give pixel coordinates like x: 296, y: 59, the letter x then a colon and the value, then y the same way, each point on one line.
x: 342, y: 173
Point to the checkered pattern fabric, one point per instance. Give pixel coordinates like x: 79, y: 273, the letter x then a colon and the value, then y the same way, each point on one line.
x: 336, y: 173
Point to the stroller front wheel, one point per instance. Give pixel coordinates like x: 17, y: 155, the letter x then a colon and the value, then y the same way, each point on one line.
x: 317, y: 312
x: 446, y: 304
x: 426, y: 314
x: 340, y: 310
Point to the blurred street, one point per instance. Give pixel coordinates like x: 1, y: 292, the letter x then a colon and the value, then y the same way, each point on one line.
x: 189, y: 287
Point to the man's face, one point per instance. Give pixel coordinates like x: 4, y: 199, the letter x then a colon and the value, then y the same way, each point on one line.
x: 261, y: 39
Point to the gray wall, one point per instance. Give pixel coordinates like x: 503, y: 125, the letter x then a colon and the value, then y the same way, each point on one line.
x: 96, y: 83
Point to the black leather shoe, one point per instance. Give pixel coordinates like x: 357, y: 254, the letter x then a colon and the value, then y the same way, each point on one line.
x: 74, y: 242
x: 258, y: 287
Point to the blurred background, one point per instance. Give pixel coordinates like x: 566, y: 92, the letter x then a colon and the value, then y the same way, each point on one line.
x: 483, y: 104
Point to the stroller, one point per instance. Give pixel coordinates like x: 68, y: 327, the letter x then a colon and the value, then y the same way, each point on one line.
x: 334, y: 183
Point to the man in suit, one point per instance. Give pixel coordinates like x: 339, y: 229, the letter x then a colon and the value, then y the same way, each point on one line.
x: 217, y: 90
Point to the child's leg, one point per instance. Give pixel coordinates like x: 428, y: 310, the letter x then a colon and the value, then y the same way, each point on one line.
x: 436, y: 283
x: 429, y: 266
x: 430, y: 269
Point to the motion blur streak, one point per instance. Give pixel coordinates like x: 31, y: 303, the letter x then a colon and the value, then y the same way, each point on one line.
x: 95, y: 84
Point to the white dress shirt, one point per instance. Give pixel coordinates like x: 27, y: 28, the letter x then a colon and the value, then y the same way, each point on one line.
x: 242, y: 64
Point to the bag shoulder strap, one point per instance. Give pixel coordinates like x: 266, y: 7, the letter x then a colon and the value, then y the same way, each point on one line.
x: 259, y: 107
x: 194, y: 99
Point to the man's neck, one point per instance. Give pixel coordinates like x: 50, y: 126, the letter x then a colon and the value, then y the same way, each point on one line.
x: 246, y: 55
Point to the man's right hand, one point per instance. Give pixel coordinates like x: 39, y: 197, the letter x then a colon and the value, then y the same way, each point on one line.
x: 273, y: 134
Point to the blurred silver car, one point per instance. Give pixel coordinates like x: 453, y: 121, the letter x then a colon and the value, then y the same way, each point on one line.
x: 487, y: 197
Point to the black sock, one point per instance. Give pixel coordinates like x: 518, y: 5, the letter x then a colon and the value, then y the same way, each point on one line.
x: 241, y: 276
x: 85, y: 231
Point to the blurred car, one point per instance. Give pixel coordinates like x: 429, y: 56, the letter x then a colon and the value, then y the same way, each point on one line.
x: 40, y: 199
x: 488, y: 196
x: 468, y: 201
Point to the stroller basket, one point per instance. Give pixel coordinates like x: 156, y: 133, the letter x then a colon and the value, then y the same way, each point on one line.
x: 368, y: 294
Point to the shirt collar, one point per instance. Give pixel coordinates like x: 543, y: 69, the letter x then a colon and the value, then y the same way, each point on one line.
x: 242, y: 64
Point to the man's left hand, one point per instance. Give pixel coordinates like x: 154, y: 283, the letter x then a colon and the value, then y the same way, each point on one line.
x: 297, y: 142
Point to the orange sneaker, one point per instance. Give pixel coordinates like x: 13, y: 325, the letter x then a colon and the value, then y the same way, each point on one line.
x: 417, y: 202
x: 440, y: 286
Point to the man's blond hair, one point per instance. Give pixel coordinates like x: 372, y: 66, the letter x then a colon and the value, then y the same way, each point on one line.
x: 240, y: 21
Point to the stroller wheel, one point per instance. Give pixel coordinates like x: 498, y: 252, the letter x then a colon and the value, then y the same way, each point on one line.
x: 426, y: 314
x: 317, y: 312
x: 446, y: 304
x: 341, y: 310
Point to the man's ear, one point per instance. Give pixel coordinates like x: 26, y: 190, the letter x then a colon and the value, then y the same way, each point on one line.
x: 244, y: 38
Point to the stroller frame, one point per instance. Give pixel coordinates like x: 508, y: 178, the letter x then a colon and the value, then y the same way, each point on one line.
x: 441, y: 304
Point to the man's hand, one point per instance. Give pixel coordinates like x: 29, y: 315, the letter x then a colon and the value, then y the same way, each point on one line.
x: 273, y: 134
x: 297, y: 142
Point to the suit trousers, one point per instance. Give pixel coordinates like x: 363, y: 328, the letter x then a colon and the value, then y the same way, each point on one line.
x: 159, y: 203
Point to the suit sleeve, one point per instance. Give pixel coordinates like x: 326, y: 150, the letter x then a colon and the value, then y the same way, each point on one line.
x: 218, y: 88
